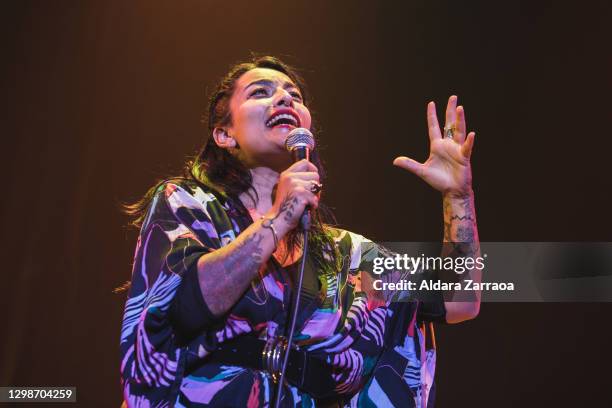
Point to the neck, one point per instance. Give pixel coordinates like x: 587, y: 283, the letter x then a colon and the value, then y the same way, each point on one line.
x: 264, y: 180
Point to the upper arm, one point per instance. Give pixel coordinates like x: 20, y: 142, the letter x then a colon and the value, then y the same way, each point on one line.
x: 168, y: 247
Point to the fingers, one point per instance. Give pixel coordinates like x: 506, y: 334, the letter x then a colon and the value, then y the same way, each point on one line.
x: 455, y: 117
x: 302, y: 165
x: 466, y: 148
x: 298, y: 183
x: 460, y: 127
x: 451, y: 111
x: 409, y: 164
x: 306, y: 176
x: 301, y: 170
x: 432, y: 122
x: 305, y: 196
x: 307, y: 186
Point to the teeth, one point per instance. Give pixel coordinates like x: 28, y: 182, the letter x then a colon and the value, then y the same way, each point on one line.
x: 276, y: 118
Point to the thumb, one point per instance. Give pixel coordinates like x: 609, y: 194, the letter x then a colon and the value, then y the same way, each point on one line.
x: 409, y: 164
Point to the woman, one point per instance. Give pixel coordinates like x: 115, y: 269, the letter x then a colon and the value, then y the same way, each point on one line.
x: 217, y: 256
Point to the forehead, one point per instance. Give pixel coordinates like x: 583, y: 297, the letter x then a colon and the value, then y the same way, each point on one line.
x: 265, y: 74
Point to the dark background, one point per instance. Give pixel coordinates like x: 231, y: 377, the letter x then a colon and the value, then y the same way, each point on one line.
x: 102, y: 98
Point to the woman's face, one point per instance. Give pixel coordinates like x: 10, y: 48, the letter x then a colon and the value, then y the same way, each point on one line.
x: 265, y: 107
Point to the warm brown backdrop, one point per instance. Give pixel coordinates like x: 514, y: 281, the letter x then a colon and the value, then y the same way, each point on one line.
x: 101, y: 98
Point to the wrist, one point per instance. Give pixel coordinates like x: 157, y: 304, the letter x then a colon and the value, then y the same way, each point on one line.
x: 280, y: 226
x: 268, y: 223
x: 458, y: 195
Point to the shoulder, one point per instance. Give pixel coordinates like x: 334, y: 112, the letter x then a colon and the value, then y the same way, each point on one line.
x: 181, y: 193
x: 350, y: 243
x: 342, y: 235
x: 180, y: 200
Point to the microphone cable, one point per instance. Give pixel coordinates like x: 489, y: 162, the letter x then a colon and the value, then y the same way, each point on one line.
x: 296, y: 302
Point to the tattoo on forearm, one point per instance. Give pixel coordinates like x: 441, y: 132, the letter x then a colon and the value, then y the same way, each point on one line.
x: 229, y: 274
x: 462, y: 217
x: 460, y: 227
x: 465, y: 234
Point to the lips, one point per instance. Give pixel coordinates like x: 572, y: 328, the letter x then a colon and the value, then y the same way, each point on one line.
x: 286, y: 117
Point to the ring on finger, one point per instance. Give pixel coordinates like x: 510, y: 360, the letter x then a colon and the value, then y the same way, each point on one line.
x: 449, y: 131
x: 315, y: 187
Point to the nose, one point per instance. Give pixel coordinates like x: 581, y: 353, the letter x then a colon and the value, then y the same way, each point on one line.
x: 283, y: 98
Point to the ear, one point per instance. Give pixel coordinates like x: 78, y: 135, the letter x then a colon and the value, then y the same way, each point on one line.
x: 222, y: 138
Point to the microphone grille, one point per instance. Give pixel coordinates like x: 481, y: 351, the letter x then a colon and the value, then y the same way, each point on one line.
x: 300, y: 137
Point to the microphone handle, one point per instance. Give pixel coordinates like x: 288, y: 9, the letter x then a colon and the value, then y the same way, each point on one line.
x: 301, y: 153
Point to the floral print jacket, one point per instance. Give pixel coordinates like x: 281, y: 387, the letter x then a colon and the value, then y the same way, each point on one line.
x: 376, y: 346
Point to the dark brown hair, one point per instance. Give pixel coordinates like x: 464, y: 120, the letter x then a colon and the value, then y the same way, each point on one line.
x: 215, y: 167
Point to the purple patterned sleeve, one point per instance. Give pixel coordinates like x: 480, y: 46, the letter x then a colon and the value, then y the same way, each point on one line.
x: 167, y: 252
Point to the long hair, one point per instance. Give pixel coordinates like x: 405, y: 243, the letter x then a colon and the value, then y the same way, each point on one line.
x: 215, y: 167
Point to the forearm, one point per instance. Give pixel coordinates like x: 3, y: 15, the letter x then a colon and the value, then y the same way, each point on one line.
x: 226, y: 273
x: 461, y: 240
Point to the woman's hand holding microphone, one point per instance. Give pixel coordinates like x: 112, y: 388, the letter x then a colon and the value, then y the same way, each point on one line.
x: 298, y: 187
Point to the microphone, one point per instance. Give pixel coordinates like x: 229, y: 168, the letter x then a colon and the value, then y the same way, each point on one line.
x: 300, y: 142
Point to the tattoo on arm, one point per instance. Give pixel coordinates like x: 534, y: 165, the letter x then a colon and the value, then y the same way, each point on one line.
x: 460, y: 231
x: 228, y: 273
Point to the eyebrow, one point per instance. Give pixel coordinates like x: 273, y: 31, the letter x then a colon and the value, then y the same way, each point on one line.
x: 267, y: 82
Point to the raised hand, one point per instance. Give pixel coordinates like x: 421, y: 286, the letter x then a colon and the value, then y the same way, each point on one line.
x: 447, y: 169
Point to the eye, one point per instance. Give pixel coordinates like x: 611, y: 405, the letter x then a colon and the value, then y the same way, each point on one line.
x: 296, y: 95
x: 259, y: 92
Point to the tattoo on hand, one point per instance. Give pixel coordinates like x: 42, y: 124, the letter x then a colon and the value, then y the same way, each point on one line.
x: 288, y: 207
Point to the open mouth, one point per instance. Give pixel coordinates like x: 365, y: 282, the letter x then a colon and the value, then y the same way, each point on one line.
x: 283, y: 117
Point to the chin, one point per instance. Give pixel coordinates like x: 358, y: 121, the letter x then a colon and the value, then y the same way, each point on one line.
x: 281, y: 132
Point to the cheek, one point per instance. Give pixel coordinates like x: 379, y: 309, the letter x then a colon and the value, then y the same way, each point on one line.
x: 306, y: 119
x: 248, y: 117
